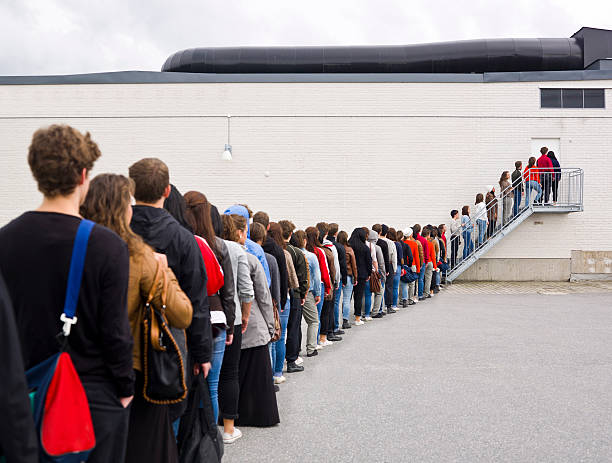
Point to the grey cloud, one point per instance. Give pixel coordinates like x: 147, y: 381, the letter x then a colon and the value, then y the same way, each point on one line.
x: 76, y: 36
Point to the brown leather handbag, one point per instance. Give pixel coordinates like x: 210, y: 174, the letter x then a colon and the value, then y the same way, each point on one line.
x: 163, y: 369
x: 277, y: 323
x: 375, y: 285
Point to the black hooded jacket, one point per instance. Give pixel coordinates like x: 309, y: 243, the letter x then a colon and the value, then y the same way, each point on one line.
x: 363, y: 257
x: 341, y: 259
x: 271, y: 247
x: 162, y: 232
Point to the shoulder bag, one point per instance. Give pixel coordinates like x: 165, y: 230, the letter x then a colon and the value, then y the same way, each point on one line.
x: 164, y: 374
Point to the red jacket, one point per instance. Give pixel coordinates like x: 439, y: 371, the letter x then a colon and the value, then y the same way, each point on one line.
x: 544, y: 163
x: 425, y: 245
x: 324, y: 270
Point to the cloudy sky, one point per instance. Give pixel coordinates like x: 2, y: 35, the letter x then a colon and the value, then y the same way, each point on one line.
x: 79, y: 36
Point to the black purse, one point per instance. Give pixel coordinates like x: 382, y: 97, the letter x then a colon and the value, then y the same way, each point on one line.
x: 164, y: 375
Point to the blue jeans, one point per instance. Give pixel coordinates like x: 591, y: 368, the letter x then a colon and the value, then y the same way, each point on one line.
x: 346, y: 298
x: 438, y: 276
x: 215, y: 369
x: 404, y: 289
x: 368, y: 299
x: 396, y: 282
x: 337, y: 302
x: 277, y: 349
x: 536, y: 186
x: 482, y: 230
x: 421, y: 279
x: 517, y: 201
x: 468, y: 244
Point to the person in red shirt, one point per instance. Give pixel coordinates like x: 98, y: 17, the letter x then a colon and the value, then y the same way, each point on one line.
x: 545, y: 167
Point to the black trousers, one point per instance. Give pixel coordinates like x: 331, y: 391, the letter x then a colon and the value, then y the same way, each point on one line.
x: 389, y: 289
x: 491, y: 228
x: 294, y: 328
x: 545, y: 182
x: 454, y: 250
x: 110, y: 422
x: 358, y: 291
x: 555, y: 189
x: 327, y: 317
x: 229, y: 387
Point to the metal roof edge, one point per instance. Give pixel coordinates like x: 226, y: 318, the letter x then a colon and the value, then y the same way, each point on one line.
x: 155, y: 77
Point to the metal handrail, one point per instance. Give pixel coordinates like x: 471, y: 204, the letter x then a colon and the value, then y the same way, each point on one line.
x: 567, y: 185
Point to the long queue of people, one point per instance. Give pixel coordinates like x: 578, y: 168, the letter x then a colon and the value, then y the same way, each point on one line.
x: 492, y: 211
x: 173, y: 291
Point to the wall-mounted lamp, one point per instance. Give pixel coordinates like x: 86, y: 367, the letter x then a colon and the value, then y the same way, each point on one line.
x: 227, y: 154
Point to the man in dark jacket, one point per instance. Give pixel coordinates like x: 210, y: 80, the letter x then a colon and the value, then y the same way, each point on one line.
x: 332, y: 233
x: 18, y: 440
x: 384, y: 246
x: 517, y: 185
x: 163, y: 233
x: 297, y: 298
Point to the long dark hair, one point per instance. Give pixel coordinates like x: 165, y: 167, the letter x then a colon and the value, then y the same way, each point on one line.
x: 297, y: 238
x: 198, y: 216
x: 343, y: 238
x: 276, y: 234
x: 217, y: 223
x: 479, y: 198
x: 532, y: 161
x: 175, y: 205
x: 312, y: 239
x: 358, y: 238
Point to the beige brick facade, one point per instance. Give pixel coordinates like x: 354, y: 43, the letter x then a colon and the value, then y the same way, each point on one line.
x: 355, y: 153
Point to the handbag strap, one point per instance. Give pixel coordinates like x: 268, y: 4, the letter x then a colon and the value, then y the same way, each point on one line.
x: 75, y: 275
x: 154, y: 285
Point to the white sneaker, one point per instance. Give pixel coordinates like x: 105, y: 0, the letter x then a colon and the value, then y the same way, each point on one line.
x: 299, y: 361
x: 278, y: 380
x: 328, y: 343
x: 368, y: 319
x: 360, y: 322
x: 395, y: 307
x: 233, y: 437
x: 318, y: 347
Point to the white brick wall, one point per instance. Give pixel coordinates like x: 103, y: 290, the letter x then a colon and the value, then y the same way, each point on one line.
x: 355, y: 153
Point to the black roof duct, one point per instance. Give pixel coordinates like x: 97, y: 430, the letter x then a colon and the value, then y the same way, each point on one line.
x: 467, y: 56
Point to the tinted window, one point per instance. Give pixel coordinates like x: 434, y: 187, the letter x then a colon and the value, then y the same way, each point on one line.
x: 572, y: 98
x: 550, y: 97
x: 594, y: 98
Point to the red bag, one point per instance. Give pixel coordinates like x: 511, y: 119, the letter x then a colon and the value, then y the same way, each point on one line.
x: 66, y: 422
x: 213, y: 269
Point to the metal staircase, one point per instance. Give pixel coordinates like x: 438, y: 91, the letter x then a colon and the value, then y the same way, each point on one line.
x: 569, y: 183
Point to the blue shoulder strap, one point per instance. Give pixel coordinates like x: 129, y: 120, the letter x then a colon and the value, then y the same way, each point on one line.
x: 79, y: 250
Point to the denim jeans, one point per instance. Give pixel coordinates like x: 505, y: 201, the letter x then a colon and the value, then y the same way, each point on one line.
x: 532, y: 184
x: 215, y: 369
x: 337, y: 307
x: 277, y: 349
x: 468, y: 244
x: 482, y: 230
x: 404, y: 290
x: 517, y: 201
x: 421, y: 279
x: 346, y: 298
x: 396, y: 282
x: 368, y: 300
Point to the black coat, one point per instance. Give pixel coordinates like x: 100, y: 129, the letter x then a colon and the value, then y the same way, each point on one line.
x: 18, y: 441
x: 275, y: 250
x: 162, y: 232
x: 363, y: 258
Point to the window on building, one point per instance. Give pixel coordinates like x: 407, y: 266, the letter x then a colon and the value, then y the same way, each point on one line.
x: 572, y: 98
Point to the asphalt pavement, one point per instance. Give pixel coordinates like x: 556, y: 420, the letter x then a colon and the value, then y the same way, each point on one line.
x: 461, y: 378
